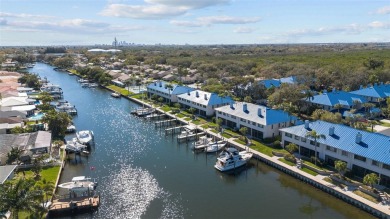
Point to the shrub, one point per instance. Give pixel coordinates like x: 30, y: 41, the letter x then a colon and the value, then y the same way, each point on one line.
x: 290, y: 158
x: 276, y: 144
x: 319, y: 162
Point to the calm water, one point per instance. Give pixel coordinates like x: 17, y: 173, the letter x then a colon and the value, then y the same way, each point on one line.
x: 144, y: 174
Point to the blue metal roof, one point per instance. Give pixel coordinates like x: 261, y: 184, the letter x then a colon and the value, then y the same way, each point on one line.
x: 176, y: 90
x: 381, y: 90
x: 374, y: 146
x: 267, y: 116
x: 268, y: 83
x: 337, y: 97
x: 205, y: 98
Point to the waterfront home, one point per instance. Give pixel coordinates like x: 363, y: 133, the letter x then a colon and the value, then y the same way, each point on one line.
x: 26, y: 110
x: 375, y: 92
x: 204, y: 102
x: 29, y: 143
x: 364, y: 152
x: 161, y: 89
x: 6, y: 124
x: 6, y: 173
x: 16, y: 101
x: 329, y: 100
x: 52, y: 89
x: 262, y: 122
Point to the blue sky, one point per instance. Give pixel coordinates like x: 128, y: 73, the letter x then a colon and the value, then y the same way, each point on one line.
x: 89, y: 22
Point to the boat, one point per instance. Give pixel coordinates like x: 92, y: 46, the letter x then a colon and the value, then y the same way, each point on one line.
x: 79, y: 184
x: 70, y: 129
x: 85, y: 137
x: 231, y: 158
x: 75, y: 147
x: 81, y: 80
x: 215, y: 146
x: 93, y: 85
x: 84, y: 84
x: 144, y: 111
x: 115, y: 94
x: 202, y: 143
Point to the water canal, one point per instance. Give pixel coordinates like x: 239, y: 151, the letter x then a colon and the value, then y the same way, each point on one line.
x: 144, y: 174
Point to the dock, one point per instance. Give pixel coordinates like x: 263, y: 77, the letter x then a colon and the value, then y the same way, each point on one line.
x: 189, y: 136
x: 155, y: 116
x: 165, y: 123
x: 65, y: 206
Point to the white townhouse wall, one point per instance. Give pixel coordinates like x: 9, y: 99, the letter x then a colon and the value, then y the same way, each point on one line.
x: 262, y: 122
x: 204, y: 102
x: 364, y: 152
x: 161, y: 89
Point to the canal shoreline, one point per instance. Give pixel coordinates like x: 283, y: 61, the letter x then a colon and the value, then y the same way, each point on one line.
x: 346, y: 196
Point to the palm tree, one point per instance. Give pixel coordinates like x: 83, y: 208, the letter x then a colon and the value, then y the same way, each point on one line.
x: 20, y: 196
x: 340, y: 166
x: 372, y: 124
x: 370, y: 179
x: 169, y: 87
x: 314, y: 135
x: 338, y: 107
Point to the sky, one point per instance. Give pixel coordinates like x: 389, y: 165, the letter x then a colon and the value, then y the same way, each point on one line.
x: 90, y: 22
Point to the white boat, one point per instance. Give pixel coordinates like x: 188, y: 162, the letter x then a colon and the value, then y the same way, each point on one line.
x: 202, y: 143
x: 85, y: 136
x: 215, y: 146
x: 115, y: 94
x: 84, y: 84
x: 83, y: 80
x: 93, y: 85
x: 144, y: 111
x: 75, y: 147
x: 230, y: 159
x: 70, y: 129
x: 79, y: 183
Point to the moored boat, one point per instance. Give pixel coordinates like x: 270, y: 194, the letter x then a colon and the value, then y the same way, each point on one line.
x: 215, y: 146
x: 231, y: 158
x: 85, y: 137
x: 79, y: 184
x: 115, y: 94
x: 202, y: 143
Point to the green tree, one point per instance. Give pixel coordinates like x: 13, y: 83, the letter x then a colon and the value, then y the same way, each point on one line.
x: 340, y: 166
x: 219, y: 122
x: 291, y: 148
x: 47, y: 187
x: 30, y: 80
x: 244, y: 131
x: 338, y: 106
x: 20, y: 195
x: 57, y: 122
x: 315, y: 136
x: 14, y: 155
x: 248, y: 99
x: 370, y: 179
x: 192, y: 111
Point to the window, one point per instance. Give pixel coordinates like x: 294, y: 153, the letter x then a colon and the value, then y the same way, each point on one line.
x: 357, y: 157
x: 296, y: 137
x: 329, y: 148
x: 253, y: 123
x: 260, y: 125
x: 243, y: 120
x: 288, y: 135
x: 303, y: 139
x: 233, y: 117
x: 311, y: 142
x: 387, y: 167
x: 344, y: 153
x: 375, y: 163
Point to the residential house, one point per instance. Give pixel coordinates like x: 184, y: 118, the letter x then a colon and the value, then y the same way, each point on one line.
x: 160, y: 89
x: 262, y: 122
x: 328, y: 100
x: 375, y: 92
x: 6, y: 173
x: 204, y: 102
x: 364, y: 152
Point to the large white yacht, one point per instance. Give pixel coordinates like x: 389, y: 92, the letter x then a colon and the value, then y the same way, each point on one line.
x: 79, y: 183
x: 231, y: 158
x: 85, y: 137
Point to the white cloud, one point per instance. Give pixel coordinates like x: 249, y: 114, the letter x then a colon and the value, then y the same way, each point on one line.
x: 383, y: 10
x: 210, y: 20
x: 4, y: 14
x: 74, y: 26
x: 158, y: 9
x: 378, y: 24
x: 243, y: 30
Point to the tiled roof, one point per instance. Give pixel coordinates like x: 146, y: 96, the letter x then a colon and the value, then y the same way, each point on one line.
x: 205, y: 98
x: 267, y: 116
x: 381, y: 90
x: 176, y: 90
x: 336, y: 97
x: 374, y: 146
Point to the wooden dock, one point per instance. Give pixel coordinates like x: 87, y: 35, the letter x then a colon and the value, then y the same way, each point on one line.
x: 155, y: 116
x: 74, y: 205
x: 165, y: 123
x: 189, y: 136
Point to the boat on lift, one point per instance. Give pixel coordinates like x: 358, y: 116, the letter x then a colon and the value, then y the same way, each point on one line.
x: 231, y: 158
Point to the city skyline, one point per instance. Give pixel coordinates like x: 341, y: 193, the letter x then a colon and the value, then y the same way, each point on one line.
x: 87, y: 22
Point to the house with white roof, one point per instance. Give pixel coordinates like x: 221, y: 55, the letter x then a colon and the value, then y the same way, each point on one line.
x: 364, y: 152
x: 328, y: 100
x: 161, y: 89
x: 16, y: 101
x: 374, y: 92
x: 204, y: 102
x: 261, y: 121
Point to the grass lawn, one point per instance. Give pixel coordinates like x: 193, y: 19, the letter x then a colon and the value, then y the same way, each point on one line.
x: 313, y: 165
x: 165, y: 108
x: 309, y: 171
x: 262, y: 148
x: 226, y: 135
x: 187, y: 119
x: 120, y: 90
x: 286, y: 161
x: 366, y: 196
x: 385, y: 124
